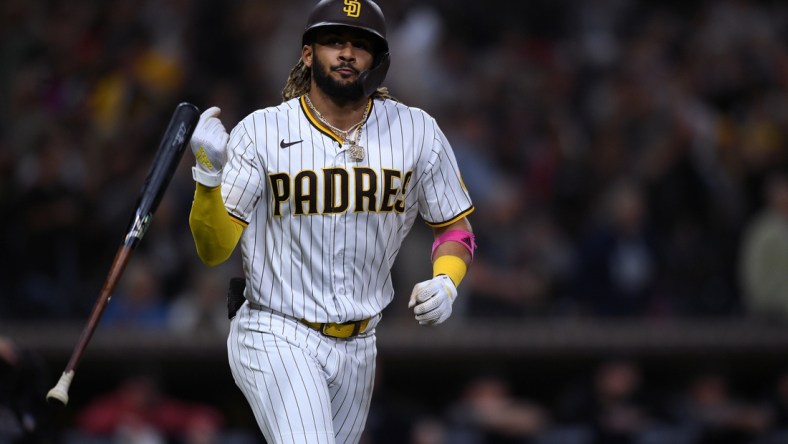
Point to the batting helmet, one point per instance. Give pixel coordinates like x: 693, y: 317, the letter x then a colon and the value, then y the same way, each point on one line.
x: 360, y: 14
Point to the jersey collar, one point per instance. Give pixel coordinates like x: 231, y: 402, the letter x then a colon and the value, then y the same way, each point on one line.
x: 319, y: 125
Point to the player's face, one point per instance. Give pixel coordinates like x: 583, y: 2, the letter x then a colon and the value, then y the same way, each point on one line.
x: 340, y: 55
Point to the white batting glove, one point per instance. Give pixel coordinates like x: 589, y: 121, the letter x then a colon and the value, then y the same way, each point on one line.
x: 431, y: 300
x: 209, y: 145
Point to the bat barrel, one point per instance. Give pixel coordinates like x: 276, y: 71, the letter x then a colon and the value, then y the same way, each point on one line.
x: 171, y: 148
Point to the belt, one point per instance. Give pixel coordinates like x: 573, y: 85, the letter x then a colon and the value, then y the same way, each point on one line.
x: 341, y: 331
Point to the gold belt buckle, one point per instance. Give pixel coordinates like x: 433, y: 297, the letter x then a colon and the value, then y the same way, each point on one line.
x: 337, y: 330
x: 346, y: 330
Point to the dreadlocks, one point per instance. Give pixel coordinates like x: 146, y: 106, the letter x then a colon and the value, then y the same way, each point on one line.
x: 298, y: 83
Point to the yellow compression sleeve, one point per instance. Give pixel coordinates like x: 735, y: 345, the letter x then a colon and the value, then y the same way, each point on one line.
x: 452, y: 266
x: 215, y: 232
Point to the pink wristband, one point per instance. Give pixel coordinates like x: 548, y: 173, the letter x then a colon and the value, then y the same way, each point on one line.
x: 464, y: 238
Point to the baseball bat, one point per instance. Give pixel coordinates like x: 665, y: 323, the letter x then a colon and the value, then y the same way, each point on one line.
x: 169, y: 153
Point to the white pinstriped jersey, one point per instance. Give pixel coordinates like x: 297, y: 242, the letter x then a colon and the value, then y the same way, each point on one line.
x: 324, y: 230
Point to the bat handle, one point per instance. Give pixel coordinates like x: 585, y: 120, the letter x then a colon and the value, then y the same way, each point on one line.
x: 59, y: 393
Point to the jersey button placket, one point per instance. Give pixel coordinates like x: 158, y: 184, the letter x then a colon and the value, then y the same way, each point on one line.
x: 336, y: 255
x: 338, y: 232
x: 339, y: 252
x: 335, y: 264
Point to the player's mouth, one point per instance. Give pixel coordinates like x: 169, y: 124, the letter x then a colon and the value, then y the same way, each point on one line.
x: 345, y: 71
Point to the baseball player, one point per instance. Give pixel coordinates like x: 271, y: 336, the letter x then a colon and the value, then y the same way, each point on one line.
x: 320, y: 191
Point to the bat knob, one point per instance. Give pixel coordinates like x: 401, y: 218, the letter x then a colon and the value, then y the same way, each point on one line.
x: 58, y: 395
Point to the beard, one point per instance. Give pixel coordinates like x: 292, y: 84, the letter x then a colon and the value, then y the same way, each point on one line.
x: 341, y: 92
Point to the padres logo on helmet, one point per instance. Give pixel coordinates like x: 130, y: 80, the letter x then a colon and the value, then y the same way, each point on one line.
x: 352, y: 8
x: 360, y: 14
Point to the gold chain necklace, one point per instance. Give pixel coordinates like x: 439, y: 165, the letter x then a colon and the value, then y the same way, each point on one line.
x: 355, y: 151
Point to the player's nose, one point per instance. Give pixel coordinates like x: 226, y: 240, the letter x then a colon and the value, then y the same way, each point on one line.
x: 346, y: 52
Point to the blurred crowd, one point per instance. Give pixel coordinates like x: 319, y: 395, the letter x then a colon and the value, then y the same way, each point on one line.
x: 626, y: 158
x: 618, y: 401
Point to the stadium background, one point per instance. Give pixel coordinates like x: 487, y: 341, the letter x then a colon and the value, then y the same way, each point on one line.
x: 619, y: 154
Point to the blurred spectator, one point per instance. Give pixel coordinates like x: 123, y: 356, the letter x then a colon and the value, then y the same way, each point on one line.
x: 488, y: 413
x: 166, y: 241
x: 202, y: 307
x: 777, y: 400
x: 138, y: 300
x: 139, y: 411
x: 24, y: 416
x: 508, y: 279
x: 764, y: 254
x: 428, y: 430
x: 618, y: 264
x: 45, y: 238
x: 716, y: 415
x: 614, y: 405
x: 390, y: 415
x: 416, y: 38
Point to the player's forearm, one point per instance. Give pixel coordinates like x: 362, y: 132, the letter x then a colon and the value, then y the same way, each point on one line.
x: 215, y: 233
x: 453, y: 257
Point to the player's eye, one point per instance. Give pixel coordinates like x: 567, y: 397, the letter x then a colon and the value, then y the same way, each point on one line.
x: 329, y: 40
x: 363, y: 44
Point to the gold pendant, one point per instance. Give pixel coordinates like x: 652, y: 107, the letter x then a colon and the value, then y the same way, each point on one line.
x: 356, y: 152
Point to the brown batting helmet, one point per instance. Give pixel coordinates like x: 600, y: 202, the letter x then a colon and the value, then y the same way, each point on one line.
x: 360, y: 14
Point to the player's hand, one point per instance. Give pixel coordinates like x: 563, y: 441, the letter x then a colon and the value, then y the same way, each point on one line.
x: 209, y: 145
x: 431, y: 300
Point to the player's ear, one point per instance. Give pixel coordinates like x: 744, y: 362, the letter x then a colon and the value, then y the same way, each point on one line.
x: 307, y: 52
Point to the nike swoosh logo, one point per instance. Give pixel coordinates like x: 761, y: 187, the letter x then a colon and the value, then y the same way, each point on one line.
x: 284, y: 144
